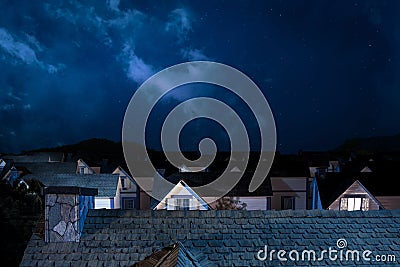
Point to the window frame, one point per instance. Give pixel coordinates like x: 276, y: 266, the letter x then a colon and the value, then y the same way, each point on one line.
x: 364, y: 203
x: 293, y: 202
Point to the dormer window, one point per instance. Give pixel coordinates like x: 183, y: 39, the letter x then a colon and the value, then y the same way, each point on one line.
x: 82, y: 170
x: 179, y: 202
x: 354, y: 202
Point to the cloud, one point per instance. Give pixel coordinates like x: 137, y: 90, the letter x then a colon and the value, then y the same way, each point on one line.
x: 130, y: 18
x: 27, y: 107
x: 14, y: 97
x: 193, y: 54
x: 180, y: 23
x: 113, y: 4
x: 23, y: 51
x: 8, y: 107
x: 17, y: 49
x: 137, y: 70
x: 33, y: 41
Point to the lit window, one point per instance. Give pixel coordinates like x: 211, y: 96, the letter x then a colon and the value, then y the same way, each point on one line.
x: 352, y: 203
x: 179, y: 203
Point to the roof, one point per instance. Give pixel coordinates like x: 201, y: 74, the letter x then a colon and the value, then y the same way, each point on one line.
x: 105, y: 183
x: 195, y: 179
x: 332, y: 185
x: 37, y: 157
x: 7, y: 167
x: 40, y: 168
x: 218, y: 237
x: 170, y: 256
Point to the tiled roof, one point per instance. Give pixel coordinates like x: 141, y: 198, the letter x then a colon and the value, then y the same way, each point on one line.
x: 105, y: 183
x: 221, y: 237
x: 37, y: 157
x: 175, y: 255
x: 40, y: 168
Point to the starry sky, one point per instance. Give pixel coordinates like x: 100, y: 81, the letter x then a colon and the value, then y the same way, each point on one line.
x: 330, y: 70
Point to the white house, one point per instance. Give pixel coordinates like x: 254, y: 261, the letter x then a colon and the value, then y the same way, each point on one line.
x: 128, y: 193
x: 182, y: 197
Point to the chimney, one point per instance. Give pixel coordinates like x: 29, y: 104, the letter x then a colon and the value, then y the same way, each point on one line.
x: 65, y: 212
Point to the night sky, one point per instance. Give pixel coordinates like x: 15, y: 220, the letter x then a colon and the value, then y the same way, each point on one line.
x: 330, y: 70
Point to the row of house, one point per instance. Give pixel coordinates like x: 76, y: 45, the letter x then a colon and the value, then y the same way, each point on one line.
x: 296, y: 182
x: 98, y: 218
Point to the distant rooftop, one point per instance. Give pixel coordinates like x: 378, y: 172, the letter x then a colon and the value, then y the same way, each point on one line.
x: 105, y: 183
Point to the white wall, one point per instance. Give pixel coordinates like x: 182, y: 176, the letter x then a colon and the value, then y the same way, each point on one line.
x: 103, y: 202
x: 254, y: 203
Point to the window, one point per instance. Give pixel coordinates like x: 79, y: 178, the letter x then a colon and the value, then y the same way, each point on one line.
x: 123, y: 183
x: 288, y: 203
x: 179, y: 203
x: 128, y: 203
x: 268, y: 205
x: 82, y: 170
x: 355, y: 202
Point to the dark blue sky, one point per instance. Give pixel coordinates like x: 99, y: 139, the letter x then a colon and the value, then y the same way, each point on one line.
x: 329, y: 69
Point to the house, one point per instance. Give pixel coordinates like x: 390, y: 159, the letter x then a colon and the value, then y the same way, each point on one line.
x: 83, y: 168
x: 128, y: 192
x: 182, y: 197
x: 116, y: 191
x: 206, y: 238
x: 290, y: 181
x: 361, y: 191
x: 257, y: 200
x: 11, y: 175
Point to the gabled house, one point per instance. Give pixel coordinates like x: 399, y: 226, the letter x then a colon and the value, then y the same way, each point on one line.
x: 257, y: 200
x: 182, y: 197
x: 11, y: 175
x: 83, y: 168
x: 363, y: 191
x: 128, y: 192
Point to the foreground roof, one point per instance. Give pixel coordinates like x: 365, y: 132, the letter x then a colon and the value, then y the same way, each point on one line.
x: 220, y: 237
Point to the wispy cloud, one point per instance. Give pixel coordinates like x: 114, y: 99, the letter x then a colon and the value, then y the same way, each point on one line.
x: 180, y: 23
x: 137, y: 70
x: 113, y: 4
x: 17, y: 49
x: 193, y: 54
x: 7, y: 107
x: 24, y: 52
